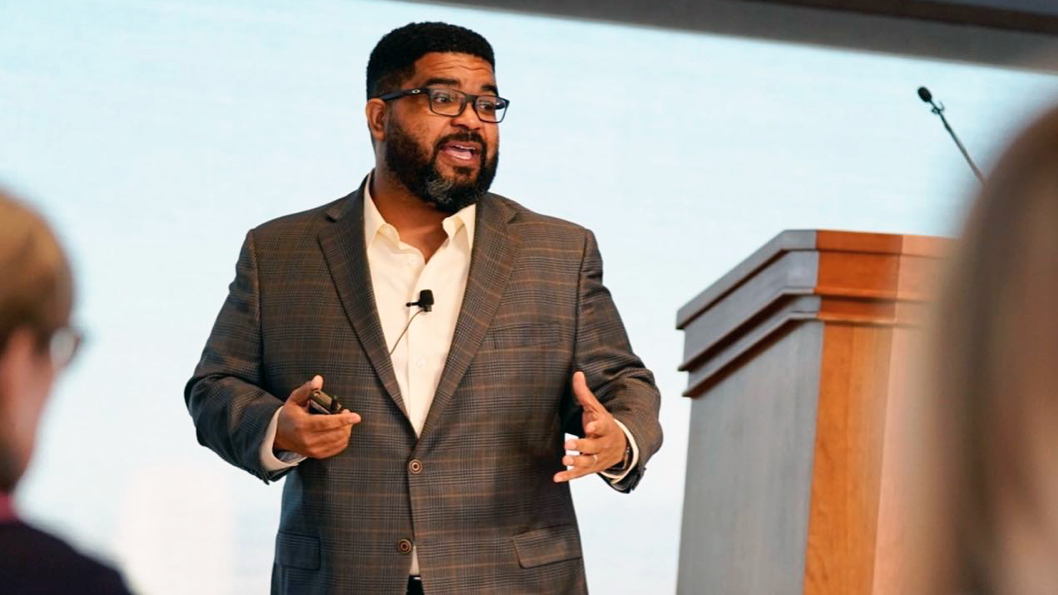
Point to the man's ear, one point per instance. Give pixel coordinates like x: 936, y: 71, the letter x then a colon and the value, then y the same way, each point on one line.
x: 376, y: 111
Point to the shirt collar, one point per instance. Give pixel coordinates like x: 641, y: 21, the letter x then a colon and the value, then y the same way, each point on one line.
x: 375, y: 224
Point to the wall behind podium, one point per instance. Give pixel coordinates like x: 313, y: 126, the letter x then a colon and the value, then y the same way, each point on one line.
x: 155, y: 134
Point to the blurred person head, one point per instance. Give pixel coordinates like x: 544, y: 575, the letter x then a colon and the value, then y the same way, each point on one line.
x: 36, y: 297
x: 433, y: 112
x: 993, y: 410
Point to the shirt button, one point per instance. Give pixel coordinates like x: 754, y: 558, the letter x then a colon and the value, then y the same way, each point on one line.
x: 420, y: 363
x: 404, y: 546
x: 415, y: 466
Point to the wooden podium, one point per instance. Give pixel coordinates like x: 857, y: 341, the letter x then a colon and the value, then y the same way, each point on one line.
x: 798, y: 364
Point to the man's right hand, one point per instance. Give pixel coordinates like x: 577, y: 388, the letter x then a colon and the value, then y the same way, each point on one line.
x: 311, y: 435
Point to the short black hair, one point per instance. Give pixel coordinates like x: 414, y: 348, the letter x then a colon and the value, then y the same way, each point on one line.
x: 393, y: 59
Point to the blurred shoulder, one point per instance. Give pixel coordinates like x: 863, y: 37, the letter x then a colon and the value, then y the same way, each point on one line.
x: 37, y: 562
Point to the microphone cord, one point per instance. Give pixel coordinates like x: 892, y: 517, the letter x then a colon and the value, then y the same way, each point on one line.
x: 406, y: 327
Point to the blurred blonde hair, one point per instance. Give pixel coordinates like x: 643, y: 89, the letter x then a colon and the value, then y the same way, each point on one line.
x: 36, y: 293
x: 36, y: 284
x: 993, y: 399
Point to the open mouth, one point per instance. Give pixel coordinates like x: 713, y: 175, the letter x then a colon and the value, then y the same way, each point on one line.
x: 461, y: 151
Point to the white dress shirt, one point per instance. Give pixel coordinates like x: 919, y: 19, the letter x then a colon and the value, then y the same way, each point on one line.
x: 398, y: 273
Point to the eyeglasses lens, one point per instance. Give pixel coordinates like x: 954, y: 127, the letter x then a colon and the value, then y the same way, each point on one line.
x: 63, y: 347
x: 448, y: 102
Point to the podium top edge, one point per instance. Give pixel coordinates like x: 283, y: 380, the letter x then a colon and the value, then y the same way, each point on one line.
x: 813, y: 240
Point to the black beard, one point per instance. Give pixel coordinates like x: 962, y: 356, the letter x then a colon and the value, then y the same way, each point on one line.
x: 418, y: 171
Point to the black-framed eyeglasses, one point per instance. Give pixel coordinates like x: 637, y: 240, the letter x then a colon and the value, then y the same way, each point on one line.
x: 451, y: 103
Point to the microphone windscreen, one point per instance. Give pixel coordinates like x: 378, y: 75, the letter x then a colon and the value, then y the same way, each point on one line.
x: 925, y: 95
x: 425, y: 298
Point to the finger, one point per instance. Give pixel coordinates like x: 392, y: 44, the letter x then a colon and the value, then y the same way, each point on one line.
x: 585, y: 461
x: 584, y: 395
x: 571, y: 474
x: 334, y: 446
x: 329, y: 443
x: 341, y: 441
x: 302, y: 393
x: 328, y: 450
x: 600, y: 427
x: 586, y: 446
x: 327, y: 423
x: 350, y: 418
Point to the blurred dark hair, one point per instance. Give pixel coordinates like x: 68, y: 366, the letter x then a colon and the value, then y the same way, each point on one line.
x: 393, y: 59
x: 995, y: 401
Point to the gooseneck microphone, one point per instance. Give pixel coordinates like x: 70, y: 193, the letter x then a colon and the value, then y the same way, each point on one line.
x: 927, y: 97
x: 425, y: 304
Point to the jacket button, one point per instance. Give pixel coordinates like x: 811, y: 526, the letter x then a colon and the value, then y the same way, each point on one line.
x: 415, y: 466
x: 404, y: 546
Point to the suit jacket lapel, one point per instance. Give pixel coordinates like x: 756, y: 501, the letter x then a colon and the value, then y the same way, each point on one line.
x: 495, y: 249
x: 343, y: 247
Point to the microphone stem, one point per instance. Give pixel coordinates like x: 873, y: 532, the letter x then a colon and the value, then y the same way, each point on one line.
x: 958, y: 143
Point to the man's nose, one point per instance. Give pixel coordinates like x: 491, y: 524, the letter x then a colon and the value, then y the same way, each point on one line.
x: 468, y: 119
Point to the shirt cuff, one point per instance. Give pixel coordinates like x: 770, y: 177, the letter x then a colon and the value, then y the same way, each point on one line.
x: 277, y: 461
x: 617, y: 477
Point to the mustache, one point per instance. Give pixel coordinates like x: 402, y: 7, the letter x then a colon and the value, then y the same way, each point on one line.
x: 462, y: 137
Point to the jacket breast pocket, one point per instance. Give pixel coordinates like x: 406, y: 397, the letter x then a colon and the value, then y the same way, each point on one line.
x: 523, y: 334
x: 547, y: 545
x: 294, y: 550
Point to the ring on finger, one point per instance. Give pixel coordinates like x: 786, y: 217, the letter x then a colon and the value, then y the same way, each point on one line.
x: 595, y: 460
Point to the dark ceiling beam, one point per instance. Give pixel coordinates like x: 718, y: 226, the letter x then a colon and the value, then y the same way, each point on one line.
x: 995, y: 14
x: 961, y: 32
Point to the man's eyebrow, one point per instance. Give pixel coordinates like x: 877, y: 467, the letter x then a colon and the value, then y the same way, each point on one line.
x: 437, y: 80
x: 441, y: 81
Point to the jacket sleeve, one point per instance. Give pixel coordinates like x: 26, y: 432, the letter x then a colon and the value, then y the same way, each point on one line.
x: 613, y: 372
x: 230, y: 409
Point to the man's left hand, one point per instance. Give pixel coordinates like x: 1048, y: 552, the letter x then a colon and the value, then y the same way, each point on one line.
x: 603, y: 445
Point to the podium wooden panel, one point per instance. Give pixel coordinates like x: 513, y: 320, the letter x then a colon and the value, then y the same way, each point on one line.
x: 798, y: 367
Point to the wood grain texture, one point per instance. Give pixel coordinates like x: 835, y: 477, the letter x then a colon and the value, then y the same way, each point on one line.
x: 849, y: 241
x: 865, y: 278
x: 846, y: 471
x: 753, y: 365
x: 858, y: 274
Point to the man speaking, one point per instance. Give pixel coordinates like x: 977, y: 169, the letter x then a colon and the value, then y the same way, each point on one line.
x: 463, y: 336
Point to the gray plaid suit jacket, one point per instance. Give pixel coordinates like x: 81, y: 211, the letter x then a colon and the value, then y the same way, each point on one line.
x: 482, y: 510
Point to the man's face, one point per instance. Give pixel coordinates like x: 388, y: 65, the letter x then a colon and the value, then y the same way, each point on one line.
x: 446, y: 161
